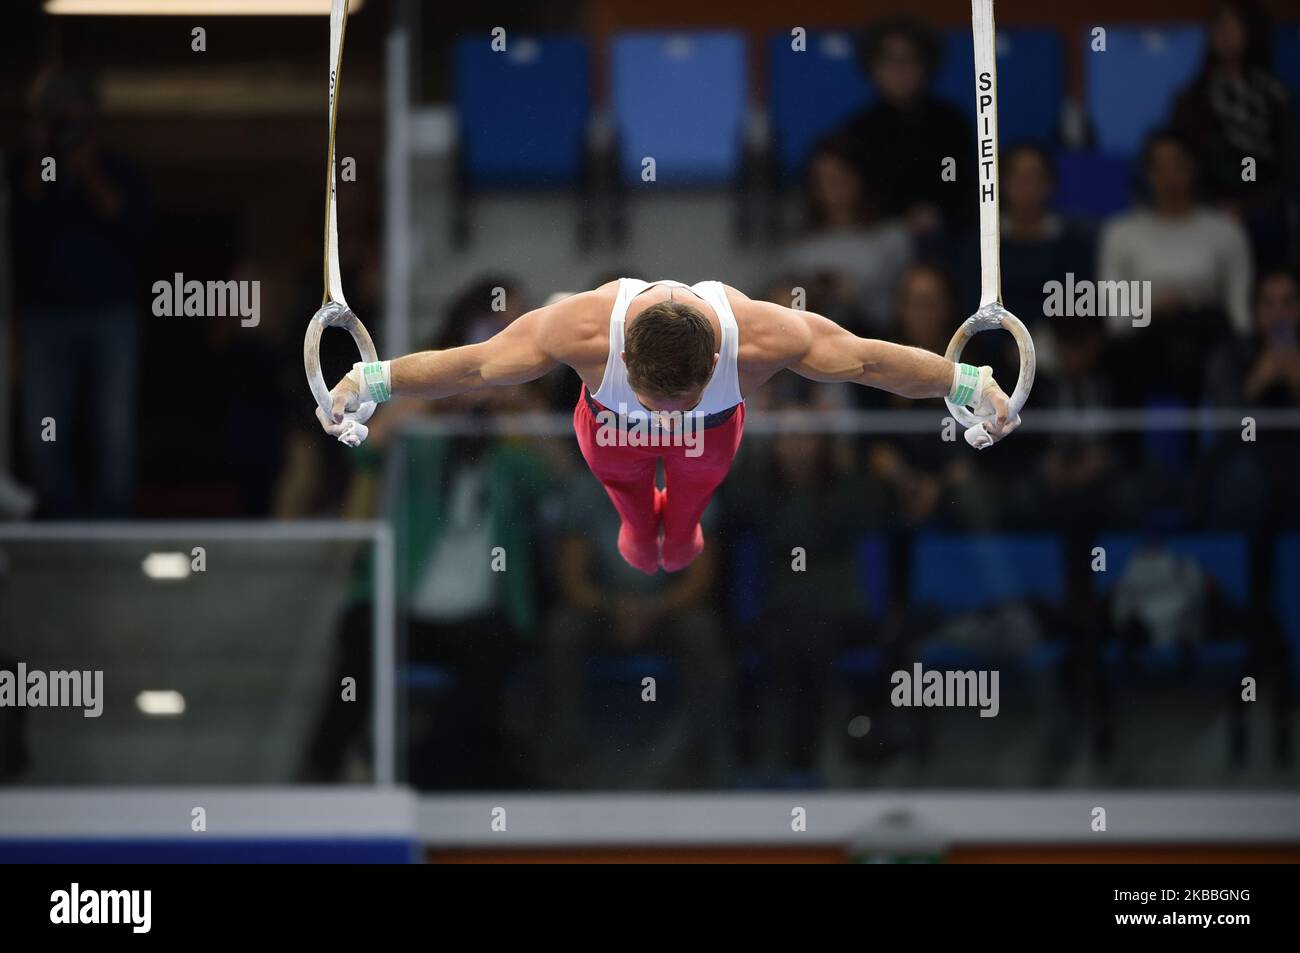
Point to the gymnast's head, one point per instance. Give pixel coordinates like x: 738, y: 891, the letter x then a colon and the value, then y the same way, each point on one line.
x: 669, y: 353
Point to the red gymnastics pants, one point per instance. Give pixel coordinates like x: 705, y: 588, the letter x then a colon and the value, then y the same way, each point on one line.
x: 628, y: 475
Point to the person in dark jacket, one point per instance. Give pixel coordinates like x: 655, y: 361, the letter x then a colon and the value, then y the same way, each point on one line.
x: 903, y: 138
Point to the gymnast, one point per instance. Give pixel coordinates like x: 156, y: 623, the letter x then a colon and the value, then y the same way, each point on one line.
x: 673, y: 359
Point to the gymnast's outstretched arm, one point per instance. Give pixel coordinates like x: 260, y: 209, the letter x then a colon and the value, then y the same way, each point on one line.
x: 817, y: 348
x: 515, y: 355
x: 522, y: 351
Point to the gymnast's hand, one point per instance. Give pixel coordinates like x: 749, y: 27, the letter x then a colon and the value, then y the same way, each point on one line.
x: 999, y: 404
x: 345, y: 398
x: 995, y: 407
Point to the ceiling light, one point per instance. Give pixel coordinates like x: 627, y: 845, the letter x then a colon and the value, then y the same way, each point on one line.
x: 161, y: 703
x: 166, y: 565
x: 210, y: 8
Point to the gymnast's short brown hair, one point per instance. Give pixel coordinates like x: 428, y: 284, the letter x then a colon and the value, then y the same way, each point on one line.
x: 669, y: 350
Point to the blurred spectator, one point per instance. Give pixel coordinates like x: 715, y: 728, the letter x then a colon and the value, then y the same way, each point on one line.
x: 1160, y: 599
x: 827, y: 505
x: 845, y: 244
x: 1248, y: 486
x: 607, y: 607
x: 464, y: 620
x: 1080, y: 473
x: 1194, y: 256
x: 903, y: 138
x: 1274, y: 375
x: 481, y: 309
x: 1236, y: 108
x: 1165, y: 607
x: 1038, y: 245
x: 1265, y: 371
x: 463, y: 497
x: 933, y: 485
x: 75, y: 239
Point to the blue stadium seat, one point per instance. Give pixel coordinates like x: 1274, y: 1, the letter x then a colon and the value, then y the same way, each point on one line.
x: 1031, y: 81
x: 628, y: 668
x: 428, y: 680
x: 1286, y: 580
x: 1092, y: 185
x: 746, y: 570
x: 747, y: 578
x: 524, y: 112
x: 810, y: 92
x: 1165, y: 661
x: 1044, y: 657
x: 960, y: 573
x: 1172, y: 449
x: 860, y: 663
x: 873, y: 573
x: 680, y: 98
x: 1130, y: 88
x: 857, y: 664
x: 965, y: 573
x: 1286, y: 58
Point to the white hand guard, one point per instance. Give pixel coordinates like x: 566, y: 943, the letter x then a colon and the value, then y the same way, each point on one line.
x: 970, y: 388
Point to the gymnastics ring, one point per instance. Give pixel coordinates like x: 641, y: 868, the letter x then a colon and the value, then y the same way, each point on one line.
x: 988, y: 318
x: 332, y: 314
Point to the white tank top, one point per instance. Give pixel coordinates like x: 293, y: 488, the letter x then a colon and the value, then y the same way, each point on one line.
x: 723, y: 389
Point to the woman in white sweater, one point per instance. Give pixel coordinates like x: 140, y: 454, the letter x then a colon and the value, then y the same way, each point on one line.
x: 1194, y: 256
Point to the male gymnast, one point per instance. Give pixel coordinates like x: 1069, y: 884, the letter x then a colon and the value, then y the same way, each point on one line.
x: 677, y: 361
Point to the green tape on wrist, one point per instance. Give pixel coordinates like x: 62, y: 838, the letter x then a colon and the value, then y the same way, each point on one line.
x: 966, y: 379
x: 375, y: 380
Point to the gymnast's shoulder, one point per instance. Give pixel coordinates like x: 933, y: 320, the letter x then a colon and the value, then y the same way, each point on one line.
x: 770, y: 334
x: 574, y: 328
